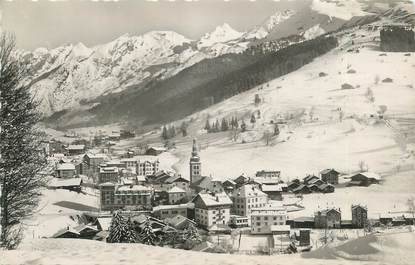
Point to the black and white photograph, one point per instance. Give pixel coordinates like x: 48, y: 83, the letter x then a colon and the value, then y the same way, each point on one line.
x: 207, y: 132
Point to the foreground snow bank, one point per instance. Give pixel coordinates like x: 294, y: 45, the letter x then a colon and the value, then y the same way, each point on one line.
x: 393, y: 248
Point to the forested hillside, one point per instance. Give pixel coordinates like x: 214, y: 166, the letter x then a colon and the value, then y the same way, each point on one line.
x: 209, y: 82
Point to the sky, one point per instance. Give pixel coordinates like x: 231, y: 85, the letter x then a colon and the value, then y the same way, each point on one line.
x: 51, y: 24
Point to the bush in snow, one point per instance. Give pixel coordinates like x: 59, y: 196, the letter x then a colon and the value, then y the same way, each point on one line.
x: 191, y: 237
x: 121, y: 230
x: 347, y: 86
x: 387, y: 80
x: 322, y: 74
x: 351, y: 71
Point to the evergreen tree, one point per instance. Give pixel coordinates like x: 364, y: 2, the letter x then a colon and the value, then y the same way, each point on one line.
x: 276, y: 129
x: 183, y: 129
x: 20, y: 158
x: 147, y: 236
x: 191, y: 236
x: 224, y: 125
x: 171, y: 132
x: 243, y: 126
x: 253, y: 120
x: 217, y: 125
x: 257, y: 100
x: 259, y: 114
x: 164, y: 133
x: 236, y: 123
x: 207, y: 126
x: 120, y: 230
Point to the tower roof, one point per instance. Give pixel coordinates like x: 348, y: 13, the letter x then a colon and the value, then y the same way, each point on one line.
x: 195, y: 155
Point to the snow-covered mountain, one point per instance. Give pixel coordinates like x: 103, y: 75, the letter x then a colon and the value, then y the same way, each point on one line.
x: 221, y: 34
x: 269, y: 24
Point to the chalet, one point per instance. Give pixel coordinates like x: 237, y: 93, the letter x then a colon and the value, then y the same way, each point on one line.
x: 293, y: 185
x: 263, y: 218
x: 329, y: 218
x: 242, y: 179
x: 274, y: 192
x: 115, y: 196
x: 180, y: 222
x: 229, y: 186
x: 212, y: 209
x: 207, y: 184
x: 246, y: 198
x: 75, y: 149
x: 330, y: 176
x: 315, y: 181
x: 72, y: 184
x: 268, y: 174
x: 301, y: 222
x: 67, y: 232
x: 168, y: 211
x: 359, y: 216
x: 364, y: 179
x: 108, y: 174
x: 164, y: 181
x: 176, y: 195
x: 155, y: 151
x: 301, y: 189
x: 65, y: 170
x: 114, y: 136
x: 313, y: 188
x: 309, y: 178
x: 86, y: 231
x: 264, y: 181
x: 326, y: 188
x: 159, y: 227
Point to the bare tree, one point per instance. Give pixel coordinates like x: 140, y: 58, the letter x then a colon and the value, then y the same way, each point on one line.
x: 363, y: 166
x: 21, y: 159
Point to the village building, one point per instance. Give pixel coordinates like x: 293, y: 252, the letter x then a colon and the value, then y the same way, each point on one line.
x: 91, y: 162
x: 65, y: 170
x: 75, y: 149
x: 364, y: 179
x: 180, y: 222
x: 115, y: 196
x: 71, y: 184
x: 164, y: 181
x: 155, y: 151
x: 147, y: 167
x: 359, y: 216
x: 168, y: 211
x: 229, y: 186
x: 274, y: 192
x: 330, y: 176
x: 242, y: 179
x: 208, y: 185
x: 176, y: 195
x: 329, y: 218
x: 302, y: 189
x: 263, y: 218
x: 293, y: 185
x: 268, y: 174
x: 246, y: 198
x: 309, y: 178
x: 212, y: 209
x: 108, y: 174
x: 237, y: 221
x: 326, y: 188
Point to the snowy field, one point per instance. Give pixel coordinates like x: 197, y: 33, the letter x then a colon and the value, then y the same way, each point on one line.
x: 394, y: 248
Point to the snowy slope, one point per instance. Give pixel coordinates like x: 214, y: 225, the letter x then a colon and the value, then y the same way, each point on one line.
x: 221, y: 34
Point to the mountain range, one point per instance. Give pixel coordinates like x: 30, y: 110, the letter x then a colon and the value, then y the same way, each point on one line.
x: 74, y: 78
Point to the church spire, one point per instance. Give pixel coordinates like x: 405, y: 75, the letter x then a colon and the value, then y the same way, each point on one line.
x: 194, y: 148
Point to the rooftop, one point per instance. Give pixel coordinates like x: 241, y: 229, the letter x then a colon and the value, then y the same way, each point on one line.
x: 65, y: 166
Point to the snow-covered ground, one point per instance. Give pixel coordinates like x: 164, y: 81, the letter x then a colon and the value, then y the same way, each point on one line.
x: 388, y: 248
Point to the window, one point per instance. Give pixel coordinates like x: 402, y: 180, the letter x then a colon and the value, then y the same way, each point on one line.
x: 258, y: 218
x: 258, y: 224
x: 275, y: 218
x: 265, y: 217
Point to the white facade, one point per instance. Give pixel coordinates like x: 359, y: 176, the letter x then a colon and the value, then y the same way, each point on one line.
x: 246, y: 198
x: 263, y: 218
x: 211, y: 216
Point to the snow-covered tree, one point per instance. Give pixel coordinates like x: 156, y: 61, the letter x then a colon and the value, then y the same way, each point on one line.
x: 243, y: 126
x: 253, y: 119
x: 207, y: 126
x: 121, y: 230
x: 20, y: 158
x: 191, y: 236
x: 224, y: 125
x: 147, y: 236
x: 276, y: 130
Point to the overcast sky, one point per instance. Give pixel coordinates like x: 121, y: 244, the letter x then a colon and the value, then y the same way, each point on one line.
x: 51, y: 24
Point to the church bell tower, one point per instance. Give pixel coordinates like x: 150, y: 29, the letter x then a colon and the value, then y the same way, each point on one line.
x: 195, y: 164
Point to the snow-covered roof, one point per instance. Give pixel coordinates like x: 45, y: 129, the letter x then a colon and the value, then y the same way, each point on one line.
x: 217, y: 199
x: 371, y: 175
x: 132, y: 188
x: 266, y: 188
x: 108, y: 170
x: 65, y: 182
x: 76, y: 147
x: 328, y: 170
x: 176, y: 189
x: 65, y: 166
x: 248, y: 190
x: 174, y: 206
